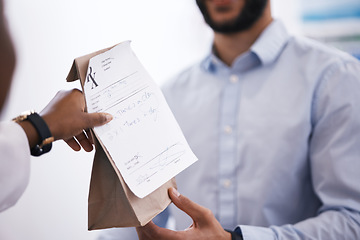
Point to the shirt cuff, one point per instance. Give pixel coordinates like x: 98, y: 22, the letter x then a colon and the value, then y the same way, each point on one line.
x: 14, y: 163
x: 255, y: 233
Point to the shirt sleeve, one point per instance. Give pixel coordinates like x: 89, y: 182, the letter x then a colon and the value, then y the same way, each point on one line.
x: 14, y: 163
x: 335, y: 163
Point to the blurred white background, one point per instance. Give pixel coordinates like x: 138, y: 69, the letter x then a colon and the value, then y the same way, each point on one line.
x: 167, y: 36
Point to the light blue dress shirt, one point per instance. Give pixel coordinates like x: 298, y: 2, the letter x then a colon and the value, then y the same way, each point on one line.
x: 277, y: 135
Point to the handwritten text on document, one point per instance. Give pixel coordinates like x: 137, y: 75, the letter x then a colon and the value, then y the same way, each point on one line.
x: 144, y: 139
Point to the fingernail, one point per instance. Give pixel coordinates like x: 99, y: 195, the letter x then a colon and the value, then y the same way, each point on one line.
x: 175, y: 192
x: 108, y: 117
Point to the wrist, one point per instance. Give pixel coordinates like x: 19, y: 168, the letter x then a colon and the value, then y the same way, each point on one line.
x: 37, y: 131
x: 31, y: 133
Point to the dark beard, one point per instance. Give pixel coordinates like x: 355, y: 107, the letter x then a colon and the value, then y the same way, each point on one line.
x: 252, y: 11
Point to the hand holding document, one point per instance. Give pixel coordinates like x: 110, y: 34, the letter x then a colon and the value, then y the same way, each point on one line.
x: 144, y: 139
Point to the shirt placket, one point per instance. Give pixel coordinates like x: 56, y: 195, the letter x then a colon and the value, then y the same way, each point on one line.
x: 227, y: 152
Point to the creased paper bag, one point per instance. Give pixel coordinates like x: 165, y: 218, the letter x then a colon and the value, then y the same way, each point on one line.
x: 111, y: 203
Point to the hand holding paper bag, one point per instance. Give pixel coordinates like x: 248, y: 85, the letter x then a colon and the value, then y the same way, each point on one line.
x: 204, y: 226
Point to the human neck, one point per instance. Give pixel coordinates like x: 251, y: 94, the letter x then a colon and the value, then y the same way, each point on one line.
x: 230, y: 46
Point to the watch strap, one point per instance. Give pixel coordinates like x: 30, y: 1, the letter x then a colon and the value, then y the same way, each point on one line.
x: 43, y: 130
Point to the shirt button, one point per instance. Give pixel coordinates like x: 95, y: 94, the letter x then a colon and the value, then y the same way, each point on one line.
x: 227, y: 183
x: 234, y: 79
x: 228, y: 129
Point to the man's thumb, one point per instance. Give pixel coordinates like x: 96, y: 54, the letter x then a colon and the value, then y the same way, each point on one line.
x: 191, y: 208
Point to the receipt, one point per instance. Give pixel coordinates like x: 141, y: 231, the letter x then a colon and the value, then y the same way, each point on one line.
x: 144, y: 140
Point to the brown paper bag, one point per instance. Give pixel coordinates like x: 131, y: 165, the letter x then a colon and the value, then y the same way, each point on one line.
x: 111, y: 203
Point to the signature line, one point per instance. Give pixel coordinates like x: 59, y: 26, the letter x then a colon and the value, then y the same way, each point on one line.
x: 167, y: 149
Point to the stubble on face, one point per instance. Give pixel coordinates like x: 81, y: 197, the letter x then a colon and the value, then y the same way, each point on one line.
x: 231, y: 16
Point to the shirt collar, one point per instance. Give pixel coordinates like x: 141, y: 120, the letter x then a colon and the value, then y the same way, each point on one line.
x: 271, y: 42
x: 265, y: 50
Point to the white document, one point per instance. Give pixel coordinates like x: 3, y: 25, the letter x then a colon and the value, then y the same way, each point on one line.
x: 144, y: 139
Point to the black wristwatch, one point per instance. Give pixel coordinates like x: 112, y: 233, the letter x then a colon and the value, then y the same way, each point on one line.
x: 42, y: 129
x: 235, y: 235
